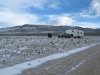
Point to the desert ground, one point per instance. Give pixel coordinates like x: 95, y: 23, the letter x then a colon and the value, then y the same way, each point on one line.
x: 82, y: 63
x: 18, y: 49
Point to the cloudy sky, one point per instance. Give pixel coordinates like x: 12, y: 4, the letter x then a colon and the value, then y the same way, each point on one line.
x: 84, y: 13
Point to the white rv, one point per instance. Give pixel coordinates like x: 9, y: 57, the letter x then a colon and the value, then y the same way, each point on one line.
x: 75, y: 33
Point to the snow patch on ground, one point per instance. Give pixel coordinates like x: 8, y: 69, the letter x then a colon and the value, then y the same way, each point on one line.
x: 18, y: 68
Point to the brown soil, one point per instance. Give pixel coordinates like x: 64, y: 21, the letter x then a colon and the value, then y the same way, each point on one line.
x: 61, y: 66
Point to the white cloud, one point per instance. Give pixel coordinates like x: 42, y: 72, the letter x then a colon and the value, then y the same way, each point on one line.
x: 14, y: 18
x: 20, y: 4
x: 95, y: 5
x: 14, y: 12
x: 68, y: 20
x: 93, y: 11
x: 87, y: 24
x: 87, y: 15
x: 54, y: 5
x: 63, y: 19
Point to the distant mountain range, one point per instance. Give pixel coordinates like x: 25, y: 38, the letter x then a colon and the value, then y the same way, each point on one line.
x: 42, y: 29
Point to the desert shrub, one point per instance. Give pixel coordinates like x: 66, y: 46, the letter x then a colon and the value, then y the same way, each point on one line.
x: 49, y: 35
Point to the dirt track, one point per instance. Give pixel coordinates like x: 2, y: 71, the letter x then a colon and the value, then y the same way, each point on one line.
x: 82, y: 63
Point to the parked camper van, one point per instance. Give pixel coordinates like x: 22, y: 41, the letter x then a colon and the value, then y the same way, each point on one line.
x: 75, y: 33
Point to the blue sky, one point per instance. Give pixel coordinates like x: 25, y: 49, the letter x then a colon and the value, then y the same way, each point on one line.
x: 83, y: 13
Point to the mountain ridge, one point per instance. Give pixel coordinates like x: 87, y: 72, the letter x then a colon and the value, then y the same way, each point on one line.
x: 30, y: 28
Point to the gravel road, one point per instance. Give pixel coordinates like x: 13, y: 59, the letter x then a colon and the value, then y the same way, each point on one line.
x: 86, y: 62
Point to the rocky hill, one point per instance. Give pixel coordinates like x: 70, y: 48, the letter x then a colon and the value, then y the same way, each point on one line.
x: 42, y: 29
